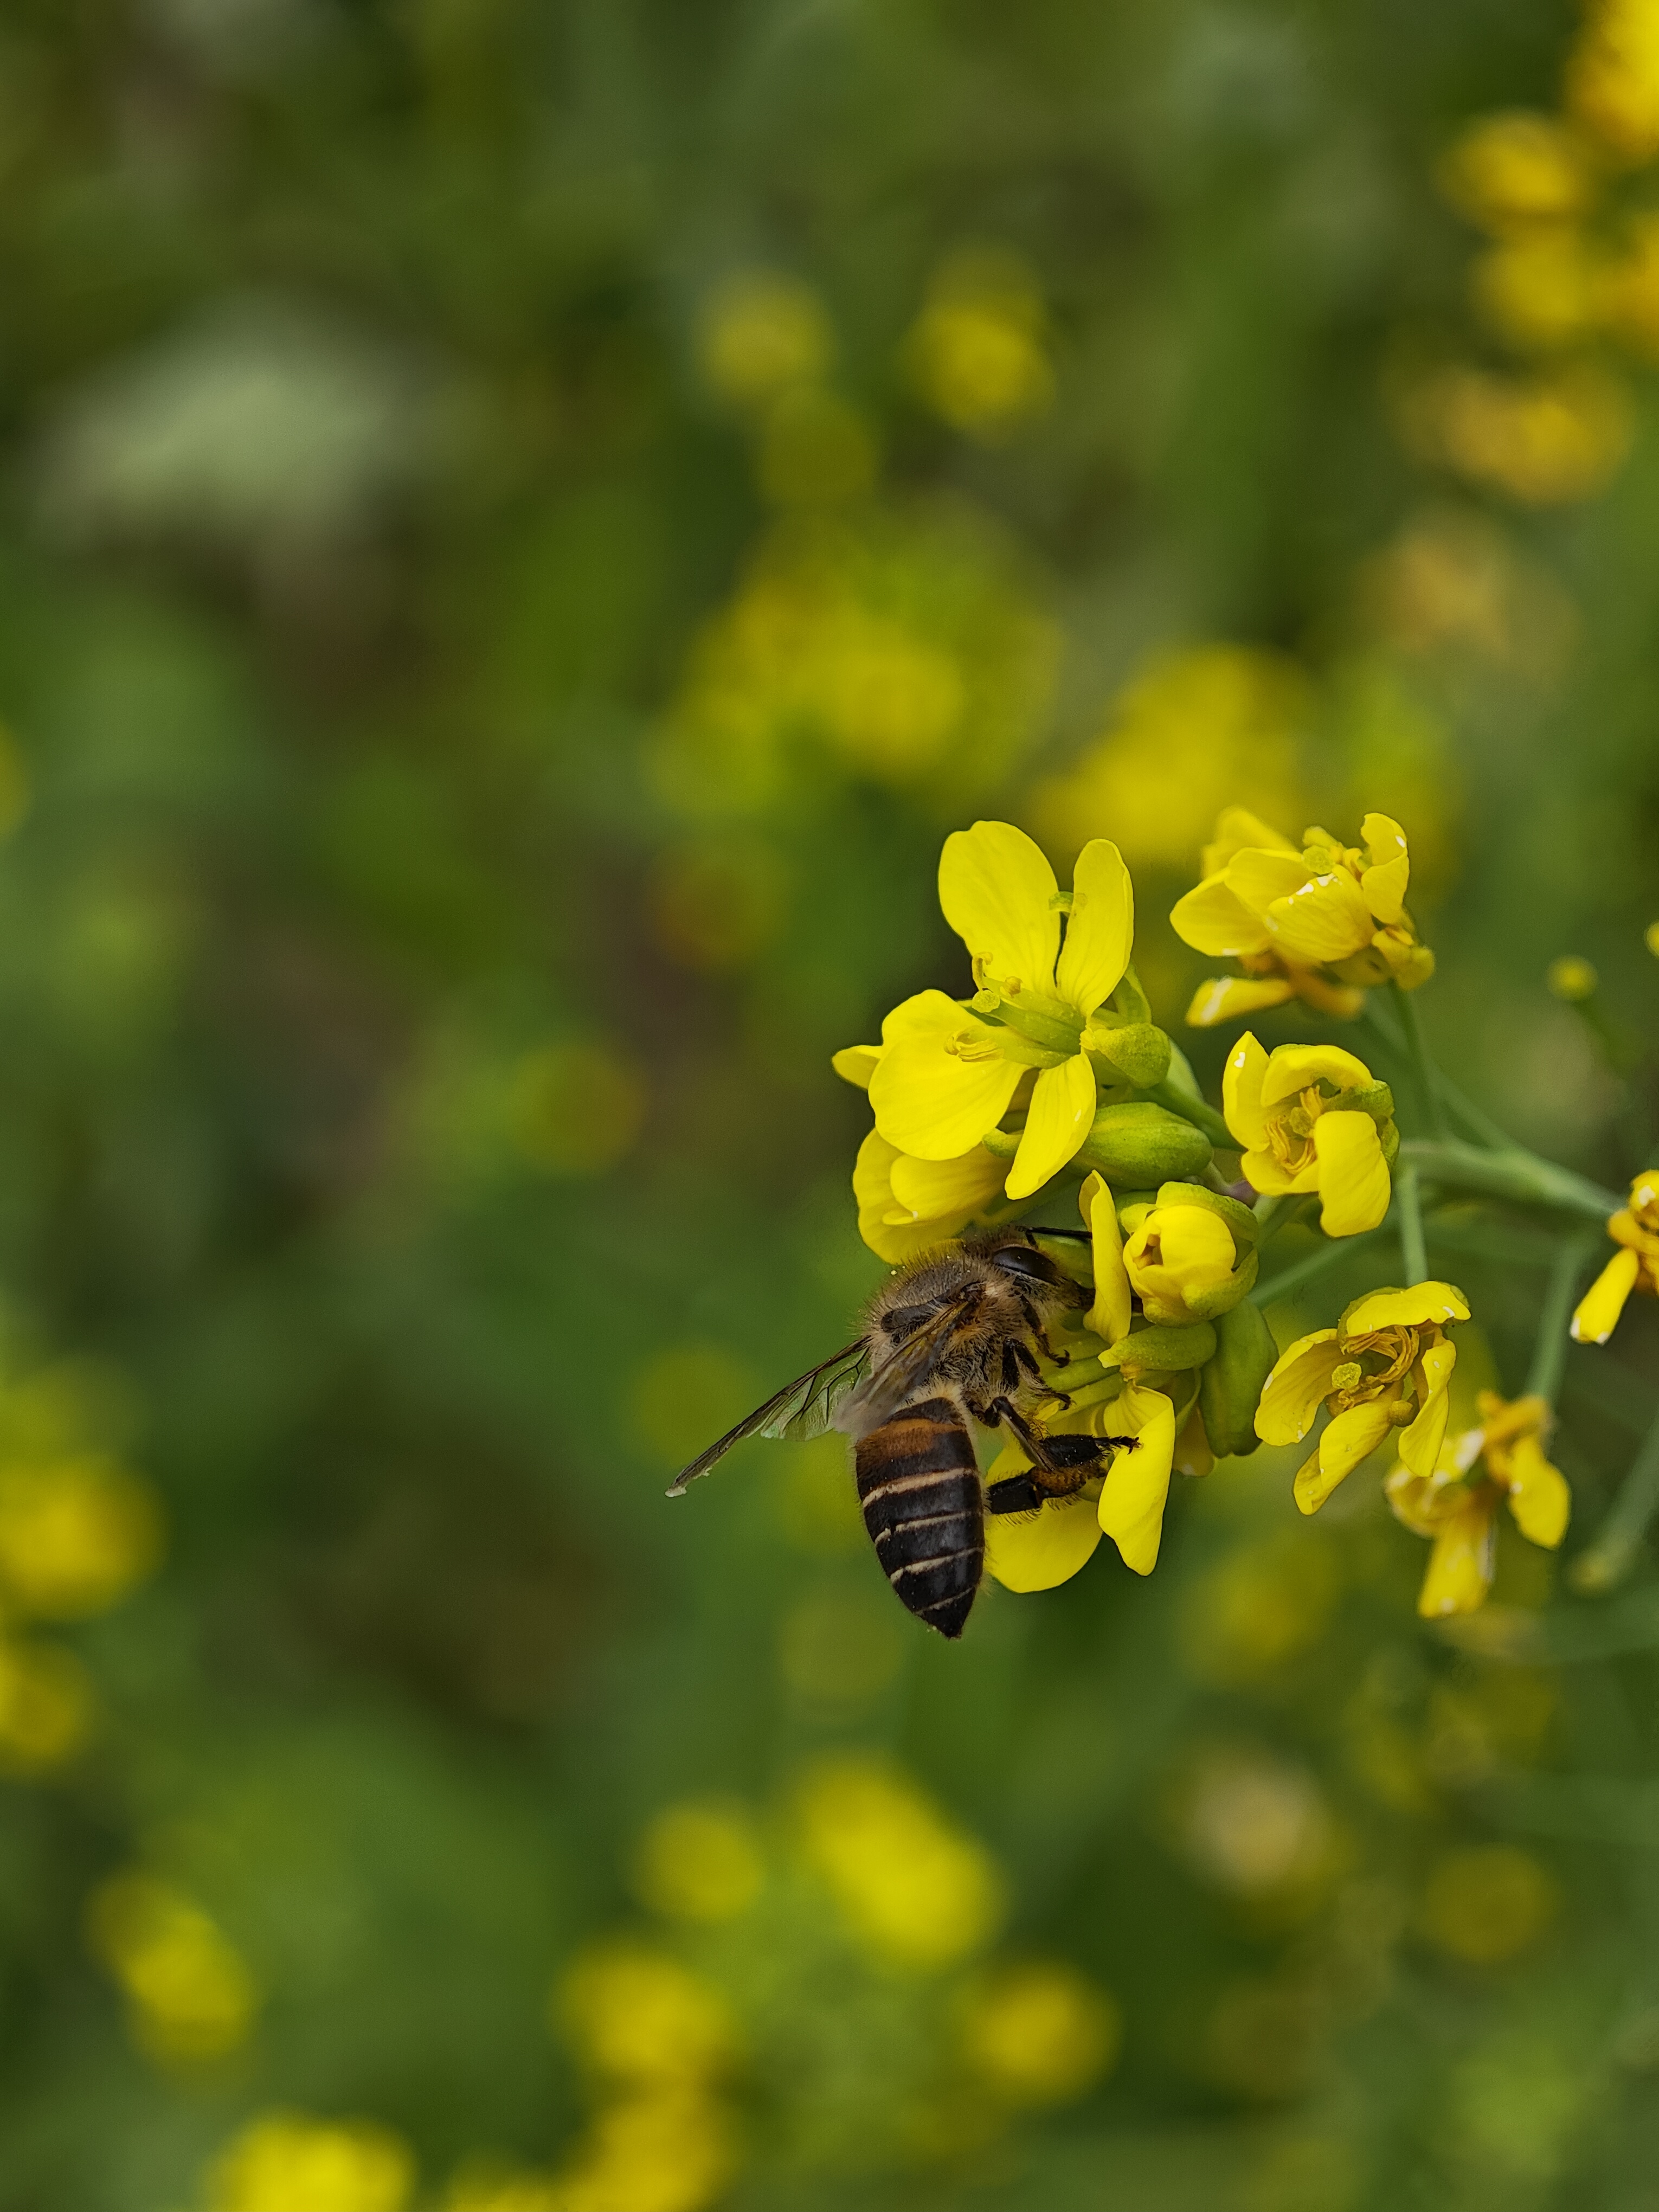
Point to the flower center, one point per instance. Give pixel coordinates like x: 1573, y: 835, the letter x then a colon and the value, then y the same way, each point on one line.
x: 1290, y: 1130
x: 1376, y: 1363
x: 971, y: 1045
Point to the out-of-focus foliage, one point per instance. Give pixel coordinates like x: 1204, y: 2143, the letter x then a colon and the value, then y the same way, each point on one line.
x: 522, y: 527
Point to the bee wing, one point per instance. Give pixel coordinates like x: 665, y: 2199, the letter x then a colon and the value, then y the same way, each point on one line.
x: 880, y: 1395
x: 805, y: 1407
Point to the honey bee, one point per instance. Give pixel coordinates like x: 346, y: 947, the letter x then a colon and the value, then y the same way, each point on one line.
x: 951, y: 1336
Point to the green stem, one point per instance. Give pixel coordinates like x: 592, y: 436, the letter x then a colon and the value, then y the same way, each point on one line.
x: 1549, y: 1354
x: 1428, y: 1076
x: 1193, y: 1110
x: 1619, y: 1539
x: 1311, y: 1269
x: 1514, y: 1174
x: 1413, y: 1246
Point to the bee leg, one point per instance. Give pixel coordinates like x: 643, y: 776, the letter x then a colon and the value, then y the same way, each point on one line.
x: 1026, y: 1359
x: 1060, y: 1465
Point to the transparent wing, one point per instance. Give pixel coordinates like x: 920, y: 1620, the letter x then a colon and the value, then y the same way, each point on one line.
x: 881, y: 1394
x: 805, y: 1407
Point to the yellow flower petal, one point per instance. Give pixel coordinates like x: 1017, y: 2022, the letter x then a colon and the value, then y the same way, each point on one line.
x: 997, y: 893
x: 1461, y: 1564
x: 1413, y: 1309
x: 1109, y: 1316
x: 1100, y: 930
x: 1061, y: 1112
x: 1350, y: 1436
x: 1292, y: 1394
x: 1385, y: 881
x: 894, y: 1242
x: 1226, y: 997
x: 933, y: 1189
x: 1137, y: 1487
x: 930, y: 1101
x: 1235, y: 828
x: 1037, y: 1551
x: 1353, y: 1176
x: 1257, y: 877
x: 1419, y: 1445
x: 1602, y: 1303
x: 1296, y: 1067
x: 1241, y: 1092
x: 1265, y: 1173
x: 857, y: 1063
x: 1213, y: 918
x: 1327, y: 920
x: 1539, y: 1497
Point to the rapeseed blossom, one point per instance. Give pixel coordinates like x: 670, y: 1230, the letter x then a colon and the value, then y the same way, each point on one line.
x: 1319, y: 922
x: 1040, y: 1030
x: 1311, y: 1117
x: 1634, y: 1266
x: 1501, y: 1460
x: 1387, y: 1364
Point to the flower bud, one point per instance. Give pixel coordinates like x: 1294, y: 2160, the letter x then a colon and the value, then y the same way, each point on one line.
x: 1138, y: 1143
x: 1139, y: 1052
x: 1160, y: 1350
x: 1191, y: 1256
x: 1230, y: 1386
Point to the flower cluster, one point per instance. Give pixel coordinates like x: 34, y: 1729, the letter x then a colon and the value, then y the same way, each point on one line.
x: 1319, y: 922
x: 1051, y: 1081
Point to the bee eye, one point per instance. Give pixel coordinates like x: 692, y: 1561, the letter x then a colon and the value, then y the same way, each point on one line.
x: 905, y: 1320
x: 1016, y: 1259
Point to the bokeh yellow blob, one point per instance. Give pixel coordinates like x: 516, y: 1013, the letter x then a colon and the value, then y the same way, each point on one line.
x: 917, y: 1890
x: 636, y: 2015
x: 1485, y: 1903
x: 700, y: 1860
x: 286, y: 2162
x: 761, y: 332
x: 190, y: 1994
x: 75, y: 1534
x: 1040, y: 2031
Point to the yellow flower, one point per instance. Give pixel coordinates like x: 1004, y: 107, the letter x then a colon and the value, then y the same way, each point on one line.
x: 907, y: 1204
x: 1312, y: 924
x: 946, y: 1073
x: 1454, y: 1506
x: 1311, y: 1117
x: 1634, y: 1266
x: 1387, y: 1364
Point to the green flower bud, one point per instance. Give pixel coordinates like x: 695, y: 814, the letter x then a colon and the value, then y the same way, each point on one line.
x: 1229, y: 1388
x: 1163, y: 1349
x: 1137, y: 1051
x: 1140, y: 1144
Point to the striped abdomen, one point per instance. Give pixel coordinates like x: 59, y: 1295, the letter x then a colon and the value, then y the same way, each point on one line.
x: 920, y: 1488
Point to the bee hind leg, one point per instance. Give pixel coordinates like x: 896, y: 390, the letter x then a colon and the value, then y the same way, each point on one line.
x: 1060, y: 1465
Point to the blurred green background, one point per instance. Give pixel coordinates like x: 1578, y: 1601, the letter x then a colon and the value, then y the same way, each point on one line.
x: 523, y: 524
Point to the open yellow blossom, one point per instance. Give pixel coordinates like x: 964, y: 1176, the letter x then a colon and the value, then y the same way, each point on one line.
x: 1316, y: 923
x: 1311, y: 1117
x: 1454, y: 1506
x: 1387, y: 1364
x: 945, y: 1074
x: 1634, y: 1266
